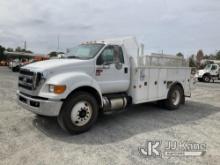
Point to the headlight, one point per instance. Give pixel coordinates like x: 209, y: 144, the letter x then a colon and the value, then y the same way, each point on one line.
x: 58, y: 89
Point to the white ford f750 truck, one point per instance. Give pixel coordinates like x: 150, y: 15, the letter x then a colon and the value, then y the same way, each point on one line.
x: 101, y: 76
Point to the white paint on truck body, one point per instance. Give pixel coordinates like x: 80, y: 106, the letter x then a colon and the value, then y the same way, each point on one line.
x: 139, y: 78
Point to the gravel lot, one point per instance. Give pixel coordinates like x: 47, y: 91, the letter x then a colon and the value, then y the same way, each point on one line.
x: 115, y: 139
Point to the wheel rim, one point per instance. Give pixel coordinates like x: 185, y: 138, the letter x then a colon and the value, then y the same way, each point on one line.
x: 206, y: 78
x: 81, y: 113
x: 175, y: 97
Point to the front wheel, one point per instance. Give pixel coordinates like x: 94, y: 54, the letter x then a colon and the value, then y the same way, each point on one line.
x: 206, y: 78
x: 175, y: 98
x: 78, y: 113
x: 200, y: 79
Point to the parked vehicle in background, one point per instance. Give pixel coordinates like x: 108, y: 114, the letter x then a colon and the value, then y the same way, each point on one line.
x: 3, y: 63
x: 210, y: 72
x: 58, y: 56
x: 38, y: 58
x: 19, y: 59
x: 15, y: 65
x: 102, y: 77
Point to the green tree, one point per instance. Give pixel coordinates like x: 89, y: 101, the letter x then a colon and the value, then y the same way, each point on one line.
x: 192, y: 61
x: 23, y: 50
x: 2, y: 56
x: 10, y: 49
x: 179, y: 54
x: 218, y: 55
x: 52, y: 54
x: 206, y: 56
x: 199, y: 57
x: 18, y: 49
x: 28, y: 51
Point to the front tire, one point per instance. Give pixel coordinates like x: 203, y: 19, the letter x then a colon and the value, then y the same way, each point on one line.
x: 200, y: 79
x: 78, y: 113
x: 206, y: 78
x: 175, y: 98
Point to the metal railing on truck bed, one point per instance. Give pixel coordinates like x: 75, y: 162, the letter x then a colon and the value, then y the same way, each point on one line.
x: 161, y: 61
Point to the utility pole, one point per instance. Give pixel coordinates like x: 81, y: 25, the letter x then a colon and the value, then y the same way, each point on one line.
x: 58, y: 42
x: 25, y: 45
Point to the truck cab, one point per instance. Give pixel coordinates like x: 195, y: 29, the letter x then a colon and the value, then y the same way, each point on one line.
x: 210, y: 72
x: 101, y: 76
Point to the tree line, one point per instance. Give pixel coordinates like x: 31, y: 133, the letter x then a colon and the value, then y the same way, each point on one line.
x: 195, y: 59
x: 18, y: 49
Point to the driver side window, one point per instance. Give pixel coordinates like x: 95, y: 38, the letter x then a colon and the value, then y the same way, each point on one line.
x: 214, y: 67
x: 110, y: 55
x: 106, y: 57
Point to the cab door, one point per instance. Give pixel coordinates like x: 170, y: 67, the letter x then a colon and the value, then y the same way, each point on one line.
x: 214, y: 70
x: 112, y: 74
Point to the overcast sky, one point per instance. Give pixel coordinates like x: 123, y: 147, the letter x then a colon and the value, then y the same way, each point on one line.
x: 168, y: 25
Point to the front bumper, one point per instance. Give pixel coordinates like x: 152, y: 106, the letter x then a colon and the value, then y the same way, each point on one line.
x: 39, y: 106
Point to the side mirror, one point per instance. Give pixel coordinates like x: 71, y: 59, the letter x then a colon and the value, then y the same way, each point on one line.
x: 118, y: 65
x: 106, y: 65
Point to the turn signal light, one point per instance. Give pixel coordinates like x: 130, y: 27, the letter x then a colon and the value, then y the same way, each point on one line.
x: 58, y: 89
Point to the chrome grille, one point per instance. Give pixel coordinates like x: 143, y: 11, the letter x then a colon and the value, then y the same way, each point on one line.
x: 28, y: 80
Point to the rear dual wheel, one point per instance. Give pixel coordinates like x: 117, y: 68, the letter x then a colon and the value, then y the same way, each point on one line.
x: 175, y: 98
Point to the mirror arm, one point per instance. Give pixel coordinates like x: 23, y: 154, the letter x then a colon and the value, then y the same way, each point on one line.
x: 106, y: 66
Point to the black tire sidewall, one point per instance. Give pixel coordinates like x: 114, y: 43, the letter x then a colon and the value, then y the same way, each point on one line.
x: 168, y: 103
x: 66, y: 110
x: 200, y: 79
x: 204, y: 78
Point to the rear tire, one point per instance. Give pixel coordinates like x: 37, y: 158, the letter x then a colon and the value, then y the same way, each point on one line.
x: 175, y: 98
x: 78, y: 113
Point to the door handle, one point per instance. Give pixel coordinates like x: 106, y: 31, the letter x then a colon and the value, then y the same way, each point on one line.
x: 125, y: 70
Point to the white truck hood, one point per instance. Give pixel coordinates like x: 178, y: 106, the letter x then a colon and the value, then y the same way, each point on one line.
x: 201, y: 72
x: 54, y: 64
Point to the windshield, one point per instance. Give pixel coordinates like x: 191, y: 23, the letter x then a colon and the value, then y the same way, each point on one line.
x: 84, y: 51
x: 207, y: 67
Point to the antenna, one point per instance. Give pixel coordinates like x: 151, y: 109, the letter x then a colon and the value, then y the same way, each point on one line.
x: 58, y: 42
x: 25, y: 45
